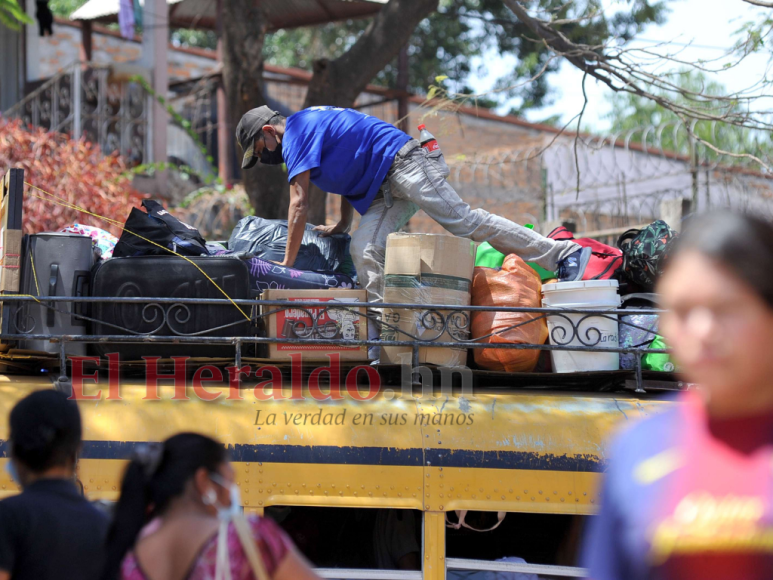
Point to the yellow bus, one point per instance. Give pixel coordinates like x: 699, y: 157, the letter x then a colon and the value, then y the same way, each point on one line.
x: 347, y: 477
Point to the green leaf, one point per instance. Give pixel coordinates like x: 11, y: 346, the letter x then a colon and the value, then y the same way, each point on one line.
x: 11, y: 15
x: 432, y: 92
x: 440, y: 78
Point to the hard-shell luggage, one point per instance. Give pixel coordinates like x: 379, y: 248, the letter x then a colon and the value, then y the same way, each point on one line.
x: 170, y: 277
x: 54, y: 264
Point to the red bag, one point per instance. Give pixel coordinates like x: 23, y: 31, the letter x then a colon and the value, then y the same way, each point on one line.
x: 605, y: 261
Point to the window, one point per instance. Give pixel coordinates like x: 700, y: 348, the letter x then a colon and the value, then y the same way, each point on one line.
x: 523, y: 546
x: 345, y: 542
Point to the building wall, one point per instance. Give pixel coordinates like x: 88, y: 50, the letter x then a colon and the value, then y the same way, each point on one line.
x: 63, y: 48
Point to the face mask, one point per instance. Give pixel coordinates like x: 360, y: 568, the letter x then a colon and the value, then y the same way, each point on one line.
x: 10, y: 467
x: 224, y: 512
x: 272, y: 157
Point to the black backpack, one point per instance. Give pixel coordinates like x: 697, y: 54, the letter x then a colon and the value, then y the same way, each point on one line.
x: 645, y: 253
x: 161, y: 227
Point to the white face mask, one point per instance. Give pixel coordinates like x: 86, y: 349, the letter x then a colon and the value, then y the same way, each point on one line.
x: 224, y: 512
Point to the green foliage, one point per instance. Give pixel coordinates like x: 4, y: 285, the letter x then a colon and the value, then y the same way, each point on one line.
x: 12, y: 16
x: 299, y: 47
x: 194, y: 38
x: 755, y: 36
x: 63, y: 8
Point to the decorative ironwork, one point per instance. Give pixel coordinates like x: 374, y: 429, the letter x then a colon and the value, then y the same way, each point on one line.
x: 83, y: 100
x: 325, y: 321
x: 322, y: 324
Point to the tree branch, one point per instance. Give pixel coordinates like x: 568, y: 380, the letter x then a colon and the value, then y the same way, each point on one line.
x: 611, y: 66
x: 760, y: 3
x: 339, y: 82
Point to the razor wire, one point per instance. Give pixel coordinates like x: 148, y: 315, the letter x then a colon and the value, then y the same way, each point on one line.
x: 624, y: 176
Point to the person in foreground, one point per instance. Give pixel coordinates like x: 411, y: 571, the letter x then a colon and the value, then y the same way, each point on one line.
x: 386, y: 176
x: 689, y: 492
x: 179, y: 518
x: 49, y: 531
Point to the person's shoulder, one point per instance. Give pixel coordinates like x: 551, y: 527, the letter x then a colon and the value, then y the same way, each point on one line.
x: 651, y: 429
x: 653, y: 436
x: 90, y: 516
x: 16, y: 502
x: 16, y: 508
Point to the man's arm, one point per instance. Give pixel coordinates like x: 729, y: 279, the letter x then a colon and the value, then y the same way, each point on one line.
x: 296, y: 216
x: 347, y: 213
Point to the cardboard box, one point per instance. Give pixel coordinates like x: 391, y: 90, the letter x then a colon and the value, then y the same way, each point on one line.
x: 10, y: 260
x: 292, y: 323
x: 426, y: 269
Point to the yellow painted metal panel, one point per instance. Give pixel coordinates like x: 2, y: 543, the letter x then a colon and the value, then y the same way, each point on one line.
x: 265, y: 484
x: 431, y: 454
x: 555, y: 424
x: 434, y: 546
x: 544, y: 424
x: 512, y: 490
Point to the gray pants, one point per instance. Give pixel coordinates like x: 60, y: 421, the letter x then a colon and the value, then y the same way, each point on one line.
x: 417, y: 181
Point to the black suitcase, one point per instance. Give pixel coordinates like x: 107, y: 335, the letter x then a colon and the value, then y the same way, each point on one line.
x: 62, y: 267
x: 170, y: 277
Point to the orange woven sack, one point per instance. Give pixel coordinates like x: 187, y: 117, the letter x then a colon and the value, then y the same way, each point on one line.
x: 515, y: 284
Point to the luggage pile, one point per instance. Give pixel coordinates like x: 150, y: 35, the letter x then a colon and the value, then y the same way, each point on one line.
x: 163, y: 273
x: 616, y: 277
x: 159, y: 256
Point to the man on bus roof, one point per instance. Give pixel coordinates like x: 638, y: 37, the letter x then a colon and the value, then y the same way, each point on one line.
x: 386, y: 176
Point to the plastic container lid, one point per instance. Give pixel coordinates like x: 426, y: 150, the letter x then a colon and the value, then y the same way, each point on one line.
x: 580, y: 285
x: 422, y: 127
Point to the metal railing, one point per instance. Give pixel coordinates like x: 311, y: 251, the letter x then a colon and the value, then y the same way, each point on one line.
x: 173, y: 321
x: 83, y: 100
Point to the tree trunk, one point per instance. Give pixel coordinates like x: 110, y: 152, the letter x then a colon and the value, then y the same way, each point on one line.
x: 339, y: 82
x: 244, y: 31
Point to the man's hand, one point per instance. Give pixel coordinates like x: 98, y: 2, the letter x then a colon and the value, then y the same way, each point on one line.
x: 347, y: 212
x: 339, y: 228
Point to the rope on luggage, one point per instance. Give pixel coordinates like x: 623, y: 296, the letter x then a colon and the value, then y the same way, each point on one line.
x: 58, y: 200
x: 34, y: 274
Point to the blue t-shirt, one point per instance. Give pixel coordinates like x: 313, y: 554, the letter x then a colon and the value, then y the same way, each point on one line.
x: 348, y: 152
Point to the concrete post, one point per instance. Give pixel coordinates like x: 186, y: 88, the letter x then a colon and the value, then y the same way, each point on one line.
x: 155, y: 42
x: 32, y: 44
x: 673, y: 211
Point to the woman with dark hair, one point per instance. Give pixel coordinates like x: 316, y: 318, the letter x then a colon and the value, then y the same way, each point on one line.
x: 689, y: 492
x: 179, y: 519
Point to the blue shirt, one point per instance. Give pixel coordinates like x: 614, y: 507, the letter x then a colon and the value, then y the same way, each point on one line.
x: 347, y: 152
x: 50, y: 531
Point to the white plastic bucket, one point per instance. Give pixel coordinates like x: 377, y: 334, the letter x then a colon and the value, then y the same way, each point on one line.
x: 600, y: 331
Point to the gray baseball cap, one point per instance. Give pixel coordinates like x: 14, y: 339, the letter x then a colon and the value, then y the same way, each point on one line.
x: 249, y: 127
